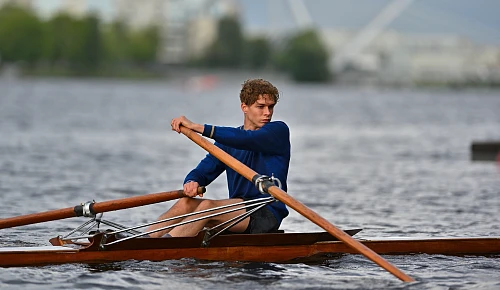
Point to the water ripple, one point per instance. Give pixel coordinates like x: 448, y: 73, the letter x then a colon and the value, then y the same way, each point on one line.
x: 393, y: 162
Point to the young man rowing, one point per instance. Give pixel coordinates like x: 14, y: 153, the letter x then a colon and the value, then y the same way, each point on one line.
x: 260, y: 144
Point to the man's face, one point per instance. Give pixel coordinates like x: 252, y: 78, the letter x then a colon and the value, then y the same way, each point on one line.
x: 259, y: 113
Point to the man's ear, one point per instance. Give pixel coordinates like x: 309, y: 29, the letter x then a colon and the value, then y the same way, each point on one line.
x: 244, y: 108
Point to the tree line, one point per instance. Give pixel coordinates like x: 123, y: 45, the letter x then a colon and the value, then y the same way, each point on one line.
x: 88, y: 46
x: 63, y: 42
x: 301, y: 54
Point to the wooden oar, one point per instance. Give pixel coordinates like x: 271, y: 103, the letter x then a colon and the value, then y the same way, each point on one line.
x: 93, y: 208
x: 281, y: 195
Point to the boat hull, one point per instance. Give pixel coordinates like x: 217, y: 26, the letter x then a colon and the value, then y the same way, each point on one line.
x: 256, y: 248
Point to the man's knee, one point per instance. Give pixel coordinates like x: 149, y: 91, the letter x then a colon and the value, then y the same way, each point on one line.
x: 187, y: 203
x: 206, y: 204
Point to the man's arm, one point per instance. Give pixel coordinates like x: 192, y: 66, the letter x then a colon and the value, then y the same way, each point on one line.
x: 274, y: 137
x: 207, y: 170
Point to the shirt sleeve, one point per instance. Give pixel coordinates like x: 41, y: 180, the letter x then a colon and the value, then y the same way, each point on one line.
x: 273, y: 138
x: 207, y: 170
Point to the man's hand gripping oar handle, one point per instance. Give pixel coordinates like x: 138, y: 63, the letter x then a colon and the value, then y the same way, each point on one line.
x: 281, y: 195
x: 92, y: 208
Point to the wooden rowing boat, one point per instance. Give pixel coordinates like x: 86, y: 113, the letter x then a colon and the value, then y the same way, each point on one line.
x: 272, y: 247
x: 277, y: 247
x: 211, y: 245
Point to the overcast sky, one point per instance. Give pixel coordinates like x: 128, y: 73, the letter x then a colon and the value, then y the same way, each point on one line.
x: 476, y: 19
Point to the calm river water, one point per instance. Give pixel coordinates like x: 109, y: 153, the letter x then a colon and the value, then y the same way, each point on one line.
x: 394, y: 162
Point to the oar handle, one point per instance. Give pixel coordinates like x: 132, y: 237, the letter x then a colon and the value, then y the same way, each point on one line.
x: 93, y: 208
x: 281, y: 195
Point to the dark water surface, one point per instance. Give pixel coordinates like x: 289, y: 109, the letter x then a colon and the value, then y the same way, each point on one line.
x: 394, y: 162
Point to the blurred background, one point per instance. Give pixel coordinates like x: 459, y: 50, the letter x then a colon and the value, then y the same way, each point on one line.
x: 380, y: 42
x: 383, y: 99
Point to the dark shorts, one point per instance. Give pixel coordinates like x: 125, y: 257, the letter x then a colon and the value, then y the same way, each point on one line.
x: 262, y: 221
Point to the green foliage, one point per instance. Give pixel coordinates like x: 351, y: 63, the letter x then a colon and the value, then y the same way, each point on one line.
x: 116, y: 43
x: 92, y: 53
x: 144, y: 45
x: 86, y: 46
x: 305, y: 58
x: 226, y: 51
x: 257, y: 53
x: 20, y: 35
x: 122, y: 45
x: 59, y: 39
x: 76, y: 45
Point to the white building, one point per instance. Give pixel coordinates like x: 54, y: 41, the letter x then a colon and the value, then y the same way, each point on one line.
x: 190, y: 26
x: 408, y: 58
x: 202, y: 29
x: 140, y: 14
x: 77, y: 8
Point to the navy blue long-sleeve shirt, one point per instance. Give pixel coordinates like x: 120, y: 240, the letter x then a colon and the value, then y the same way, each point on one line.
x: 266, y: 151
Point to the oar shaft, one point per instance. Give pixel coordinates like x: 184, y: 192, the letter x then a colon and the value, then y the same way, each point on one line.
x: 97, y: 207
x: 336, y: 232
x: 35, y: 218
x: 281, y: 195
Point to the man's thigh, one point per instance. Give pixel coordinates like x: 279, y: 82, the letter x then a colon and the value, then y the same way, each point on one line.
x: 239, y: 227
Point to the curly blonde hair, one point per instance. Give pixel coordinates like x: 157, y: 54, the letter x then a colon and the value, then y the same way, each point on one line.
x: 253, y: 88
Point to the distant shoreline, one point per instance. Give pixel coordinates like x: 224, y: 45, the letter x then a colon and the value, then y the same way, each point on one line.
x: 186, y: 73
